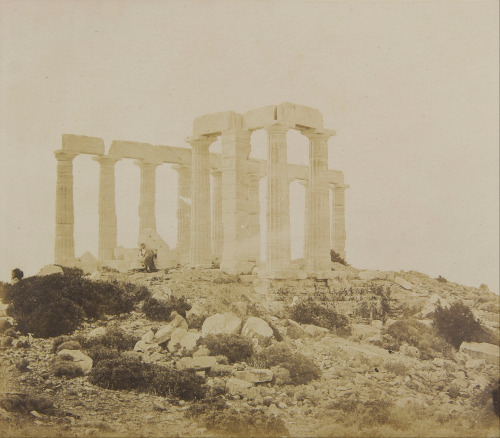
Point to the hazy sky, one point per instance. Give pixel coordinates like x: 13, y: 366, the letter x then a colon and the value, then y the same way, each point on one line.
x: 410, y: 87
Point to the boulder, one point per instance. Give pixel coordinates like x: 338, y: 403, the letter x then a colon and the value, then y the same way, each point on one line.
x: 163, y: 294
x: 294, y: 330
x: 49, y: 270
x: 255, y: 375
x: 69, y: 345
x: 198, y: 363
x: 146, y: 347
x: 432, y: 304
x: 257, y: 328
x: 482, y: 350
x: 314, y: 331
x: 182, y: 340
x: 409, y: 350
x: 403, y: 283
x: 96, y: 333
x: 78, y: 358
x: 281, y: 375
x: 165, y: 332
x: 221, y: 323
x: 236, y: 386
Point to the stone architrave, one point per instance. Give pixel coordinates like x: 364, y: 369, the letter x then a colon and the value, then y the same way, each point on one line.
x: 183, y: 212
x: 107, y: 207
x: 278, y: 210
x: 338, y: 233
x: 235, y: 151
x: 200, y: 254
x: 217, y: 224
x: 254, y: 217
x: 147, y: 213
x: 64, y: 242
x: 318, y: 216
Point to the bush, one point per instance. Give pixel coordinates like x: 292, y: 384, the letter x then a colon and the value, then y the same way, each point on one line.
x: 66, y: 368
x: 235, y: 348
x: 442, y: 279
x: 130, y: 373
x: 245, y: 423
x: 157, y: 310
x: 57, y: 304
x: 457, y: 324
x: 16, y: 274
x: 416, y: 334
x: 98, y: 353
x: 114, y: 338
x: 302, y: 369
x: 309, y: 312
x: 335, y: 257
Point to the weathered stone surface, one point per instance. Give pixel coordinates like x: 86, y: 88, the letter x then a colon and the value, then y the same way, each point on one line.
x: 182, y: 340
x: 432, y: 304
x: 403, y: 283
x: 96, y: 333
x: 215, y: 123
x: 146, y: 347
x: 69, y: 345
x: 482, y: 350
x: 260, y: 117
x: 237, y: 386
x: 148, y: 337
x: 79, y: 358
x: 257, y: 328
x: 294, y: 330
x: 281, y: 375
x: 165, y: 332
x: 227, y: 323
x: 196, y: 363
x: 49, y: 270
x: 255, y: 375
x: 300, y: 115
x: 314, y: 331
x: 83, y: 144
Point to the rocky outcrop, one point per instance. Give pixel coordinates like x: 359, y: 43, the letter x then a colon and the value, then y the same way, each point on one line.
x: 257, y: 328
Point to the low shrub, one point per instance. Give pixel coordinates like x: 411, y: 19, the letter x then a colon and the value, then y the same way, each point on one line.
x: 196, y: 321
x: 130, y: 373
x: 398, y: 368
x: 57, y: 304
x: 99, y: 352
x: 335, y: 257
x: 457, y: 324
x: 235, y: 348
x: 245, y: 423
x: 206, y: 405
x: 66, y: 368
x: 302, y: 369
x: 414, y: 333
x: 309, y: 312
x: 157, y: 310
x: 113, y: 338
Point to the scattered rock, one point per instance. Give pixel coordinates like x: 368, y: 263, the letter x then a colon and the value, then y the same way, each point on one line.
x: 403, y: 283
x: 314, y: 331
x: 69, y: 345
x: 482, y: 350
x: 182, y: 340
x: 78, y: 358
x: 96, y: 333
x: 236, y: 386
x: 254, y: 375
x: 257, y: 328
x: 165, y: 332
x: 226, y: 323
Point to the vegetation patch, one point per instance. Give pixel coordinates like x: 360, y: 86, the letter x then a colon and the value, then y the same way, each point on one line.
x: 236, y: 348
x: 159, y: 310
x: 310, y: 312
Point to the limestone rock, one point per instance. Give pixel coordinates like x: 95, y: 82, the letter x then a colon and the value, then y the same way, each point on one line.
x: 182, y: 340
x: 69, y: 345
x: 257, y: 328
x: 281, y: 375
x: 199, y: 363
x: 432, y: 303
x: 482, y: 350
x: 165, y: 332
x: 162, y: 295
x: 79, y: 358
x: 146, y: 347
x: 294, y: 330
x: 314, y: 331
x: 237, y: 386
x: 403, y: 283
x: 49, y: 270
x: 227, y: 323
x: 96, y: 333
x: 255, y: 375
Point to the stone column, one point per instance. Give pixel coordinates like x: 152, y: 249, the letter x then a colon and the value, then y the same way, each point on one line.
x: 338, y: 233
x: 65, y: 219
x: 200, y: 254
x: 217, y: 224
x: 147, y: 213
x: 183, y: 211
x: 107, y: 207
x: 318, y: 218
x: 305, y: 183
x: 278, y: 205
x: 235, y: 150
x: 254, y: 216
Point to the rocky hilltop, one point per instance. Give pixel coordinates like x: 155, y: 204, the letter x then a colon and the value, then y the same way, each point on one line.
x: 359, y: 354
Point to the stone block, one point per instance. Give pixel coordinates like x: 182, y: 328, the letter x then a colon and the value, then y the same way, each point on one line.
x: 82, y: 144
x: 204, y: 362
x: 49, y: 270
x: 215, y: 123
x: 227, y: 323
x: 314, y: 331
x: 183, y: 340
x: 237, y: 386
x: 96, y: 333
x: 257, y: 328
x: 482, y: 350
x: 255, y: 375
x: 300, y: 115
x: 133, y: 150
x: 403, y: 283
x: 165, y: 333
x: 260, y: 117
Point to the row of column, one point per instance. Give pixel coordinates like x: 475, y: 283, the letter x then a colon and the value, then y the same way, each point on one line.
x: 232, y: 234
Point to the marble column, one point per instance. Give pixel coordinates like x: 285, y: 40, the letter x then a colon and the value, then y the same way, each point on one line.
x: 217, y: 224
x: 107, y: 207
x: 65, y: 219
x: 147, y: 213
x: 318, y: 218
x: 183, y: 211
x: 278, y: 204
x: 235, y: 150
x: 254, y: 216
x: 305, y: 183
x: 338, y: 233
x: 200, y: 254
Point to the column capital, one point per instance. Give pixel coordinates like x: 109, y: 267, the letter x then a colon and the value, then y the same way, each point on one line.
x: 322, y: 134
x: 202, y: 140
x: 106, y: 159
x: 147, y: 164
x: 181, y: 167
x: 336, y: 186
x: 277, y: 128
x: 62, y: 155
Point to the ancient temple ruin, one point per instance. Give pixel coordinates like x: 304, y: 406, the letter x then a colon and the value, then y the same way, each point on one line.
x: 226, y: 225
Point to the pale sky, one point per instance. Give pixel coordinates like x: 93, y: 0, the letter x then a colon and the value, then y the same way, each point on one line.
x: 412, y: 89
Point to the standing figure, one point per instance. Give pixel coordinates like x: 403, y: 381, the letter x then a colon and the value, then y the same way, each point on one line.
x: 147, y: 256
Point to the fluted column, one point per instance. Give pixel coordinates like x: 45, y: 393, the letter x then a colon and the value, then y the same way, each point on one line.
x: 318, y: 218
x: 107, y: 207
x: 338, y: 233
x: 217, y: 225
x: 183, y: 211
x: 65, y: 219
x: 235, y: 150
x: 147, y: 213
x: 278, y: 208
x: 254, y: 216
x: 305, y: 183
x: 200, y: 254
